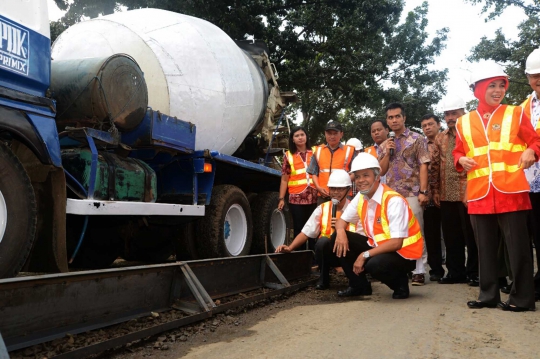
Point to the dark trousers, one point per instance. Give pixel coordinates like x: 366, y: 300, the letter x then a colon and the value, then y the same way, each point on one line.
x: 300, y: 214
x: 432, y: 233
x: 534, y: 229
x: 514, y: 228
x: 458, y: 234
x: 389, y: 268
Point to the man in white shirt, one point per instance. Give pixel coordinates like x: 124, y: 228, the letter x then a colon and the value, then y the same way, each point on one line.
x: 531, y: 108
x: 321, y: 224
x: 393, y: 240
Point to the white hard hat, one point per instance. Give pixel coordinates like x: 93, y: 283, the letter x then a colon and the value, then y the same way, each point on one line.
x: 486, y: 70
x: 363, y: 161
x: 450, y: 103
x: 532, y: 66
x: 355, y: 142
x: 339, y: 178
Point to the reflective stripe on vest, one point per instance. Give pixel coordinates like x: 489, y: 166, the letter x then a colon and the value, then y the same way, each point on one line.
x: 326, y: 220
x: 496, y: 149
x: 372, y: 151
x: 328, y: 161
x: 412, y: 245
x: 299, y: 179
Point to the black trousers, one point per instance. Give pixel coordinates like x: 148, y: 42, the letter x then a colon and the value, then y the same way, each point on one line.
x: 300, y: 214
x: 432, y: 233
x: 534, y: 229
x: 389, y: 268
x: 514, y: 228
x: 458, y: 234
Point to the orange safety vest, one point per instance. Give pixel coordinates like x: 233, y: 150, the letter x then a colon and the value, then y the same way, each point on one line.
x: 372, y: 151
x: 527, y: 111
x: 299, y: 179
x: 328, y: 161
x: 496, y: 149
x: 326, y: 220
x: 412, y: 245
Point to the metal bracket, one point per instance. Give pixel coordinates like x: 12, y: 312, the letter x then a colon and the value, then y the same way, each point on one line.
x: 284, y: 282
x: 201, y: 295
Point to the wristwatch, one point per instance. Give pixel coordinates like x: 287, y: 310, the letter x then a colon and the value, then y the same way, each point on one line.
x: 366, y: 255
x: 425, y: 193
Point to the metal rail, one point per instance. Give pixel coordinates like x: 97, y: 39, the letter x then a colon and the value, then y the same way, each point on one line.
x: 37, y: 309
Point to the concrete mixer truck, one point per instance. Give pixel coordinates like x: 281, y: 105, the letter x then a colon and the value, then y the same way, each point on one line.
x: 139, y: 135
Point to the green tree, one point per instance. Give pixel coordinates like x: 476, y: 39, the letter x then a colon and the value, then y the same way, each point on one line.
x: 346, y: 59
x: 510, y: 54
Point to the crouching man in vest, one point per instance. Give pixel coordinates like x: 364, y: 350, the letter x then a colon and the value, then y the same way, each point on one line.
x: 393, y: 240
x: 321, y: 223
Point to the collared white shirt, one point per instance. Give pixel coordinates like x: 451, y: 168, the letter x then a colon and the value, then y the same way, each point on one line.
x: 533, y: 173
x: 397, y: 210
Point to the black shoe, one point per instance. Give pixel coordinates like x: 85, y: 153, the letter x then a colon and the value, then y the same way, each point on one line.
x: 400, y: 294
x: 506, y: 289
x: 473, y: 282
x: 536, y: 296
x: 321, y: 286
x: 474, y: 304
x: 435, y: 277
x: 354, y: 291
x: 507, y: 307
x: 452, y: 280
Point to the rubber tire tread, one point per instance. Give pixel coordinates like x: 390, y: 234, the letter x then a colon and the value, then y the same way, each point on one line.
x: 20, y: 233
x: 262, y: 208
x: 210, y: 232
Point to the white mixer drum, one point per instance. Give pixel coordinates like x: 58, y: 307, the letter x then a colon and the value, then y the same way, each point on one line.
x: 193, y: 70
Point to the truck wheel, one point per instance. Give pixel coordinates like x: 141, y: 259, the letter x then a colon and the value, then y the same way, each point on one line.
x: 227, y: 227
x: 185, y: 242
x: 18, y: 216
x: 271, y: 226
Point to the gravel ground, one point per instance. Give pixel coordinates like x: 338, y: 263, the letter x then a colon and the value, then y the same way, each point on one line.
x: 433, y: 323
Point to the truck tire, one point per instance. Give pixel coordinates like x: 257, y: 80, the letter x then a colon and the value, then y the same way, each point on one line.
x: 185, y: 242
x: 227, y: 227
x: 270, y: 225
x: 18, y: 214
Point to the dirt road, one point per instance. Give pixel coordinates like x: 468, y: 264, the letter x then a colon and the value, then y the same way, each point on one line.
x: 433, y: 323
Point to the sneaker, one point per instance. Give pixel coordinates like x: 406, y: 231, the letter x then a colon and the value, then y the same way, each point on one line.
x: 435, y: 277
x: 418, y: 279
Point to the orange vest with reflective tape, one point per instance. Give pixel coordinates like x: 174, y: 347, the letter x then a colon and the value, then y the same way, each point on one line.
x: 328, y: 161
x: 326, y: 220
x: 527, y: 111
x: 496, y: 149
x: 299, y: 179
x: 412, y: 245
x: 372, y: 151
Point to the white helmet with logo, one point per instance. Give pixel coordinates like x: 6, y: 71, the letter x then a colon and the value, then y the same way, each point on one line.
x: 339, y: 178
x: 532, y: 66
x: 355, y: 142
x: 486, y: 70
x: 363, y: 161
x: 450, y: 103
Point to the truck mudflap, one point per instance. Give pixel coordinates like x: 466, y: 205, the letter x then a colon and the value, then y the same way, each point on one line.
x: 42, y: 308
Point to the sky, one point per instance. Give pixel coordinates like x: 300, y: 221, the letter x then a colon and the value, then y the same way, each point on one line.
x: 466, y: 24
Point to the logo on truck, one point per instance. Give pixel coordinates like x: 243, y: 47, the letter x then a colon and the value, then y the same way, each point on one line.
x: 14, y: 42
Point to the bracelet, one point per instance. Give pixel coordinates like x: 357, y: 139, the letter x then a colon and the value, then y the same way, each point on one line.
x: 281, y: 199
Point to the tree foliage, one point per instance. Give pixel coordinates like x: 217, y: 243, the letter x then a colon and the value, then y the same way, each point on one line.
x: 511, y: 54
x: 346, y: 59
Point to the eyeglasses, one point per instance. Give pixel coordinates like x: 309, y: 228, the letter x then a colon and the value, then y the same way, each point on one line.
x: 534, y: 76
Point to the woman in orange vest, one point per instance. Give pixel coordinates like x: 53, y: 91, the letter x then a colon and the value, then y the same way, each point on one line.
x: 295, y: 180
x: 494, y: 145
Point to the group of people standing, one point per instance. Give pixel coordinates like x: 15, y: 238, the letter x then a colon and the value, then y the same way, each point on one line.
x: 380, y: 209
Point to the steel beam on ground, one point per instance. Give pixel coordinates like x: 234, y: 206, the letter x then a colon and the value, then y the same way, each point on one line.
x: 42, y: 308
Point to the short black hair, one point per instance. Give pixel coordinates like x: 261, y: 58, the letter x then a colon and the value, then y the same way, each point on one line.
x: 395, y: 105
x: 430, y: 115
x: 292, y: 145
x: 383, y: 122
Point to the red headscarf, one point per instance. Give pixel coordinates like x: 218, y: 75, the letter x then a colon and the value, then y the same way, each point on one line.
x: 480, y: 89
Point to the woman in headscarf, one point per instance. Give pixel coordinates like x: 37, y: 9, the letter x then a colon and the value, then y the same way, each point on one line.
x: 494, y: 145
